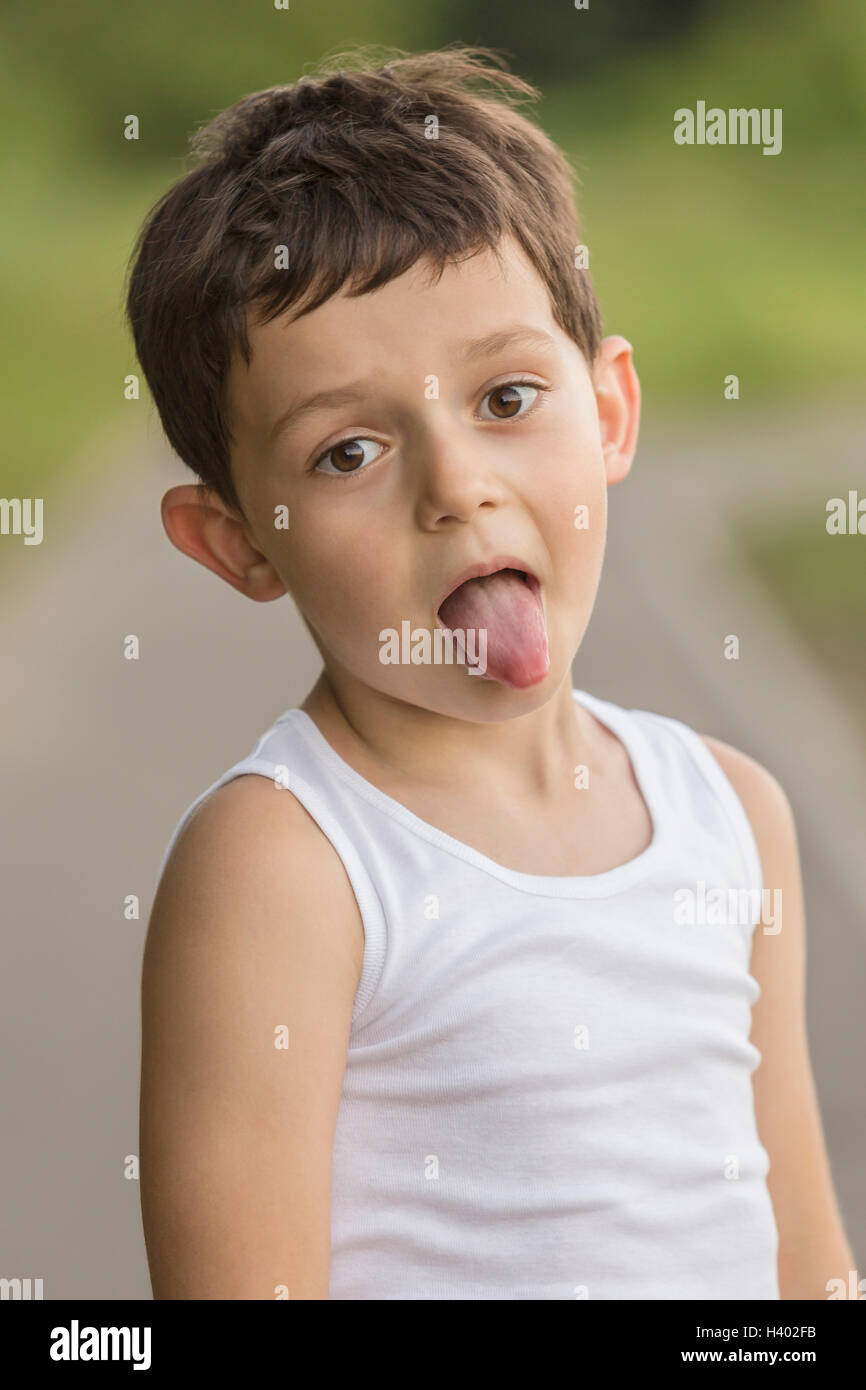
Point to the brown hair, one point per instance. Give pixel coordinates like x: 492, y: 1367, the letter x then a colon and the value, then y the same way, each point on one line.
x: 339, y: 168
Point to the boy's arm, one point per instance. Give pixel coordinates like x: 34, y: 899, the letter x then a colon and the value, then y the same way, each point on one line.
x: 813, y: 1247
x: 254, y: 928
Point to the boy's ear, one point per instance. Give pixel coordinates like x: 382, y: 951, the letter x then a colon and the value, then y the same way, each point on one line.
x: 617, y: 394
x: 199, y: 524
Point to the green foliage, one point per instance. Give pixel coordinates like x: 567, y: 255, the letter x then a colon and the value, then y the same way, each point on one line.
x: 819, y: 578
x: 174, y: 65
x: 819, y: 581
x: 709, y: 260
x: 561, y: 42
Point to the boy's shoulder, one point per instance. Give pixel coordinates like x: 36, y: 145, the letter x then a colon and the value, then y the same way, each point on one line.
x: 770, y: 817
x: 252, y: 820
x: 249, y: 846
x: 248, y: 811
x: 763, y: 797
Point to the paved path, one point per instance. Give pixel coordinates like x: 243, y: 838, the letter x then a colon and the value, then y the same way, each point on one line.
x: 99, y: 757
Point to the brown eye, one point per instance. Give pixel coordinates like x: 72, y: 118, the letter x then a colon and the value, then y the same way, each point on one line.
x: 349, y: 456
x: 506, y: 402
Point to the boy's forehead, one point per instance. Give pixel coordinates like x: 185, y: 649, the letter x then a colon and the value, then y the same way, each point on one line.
x: 414, y: 318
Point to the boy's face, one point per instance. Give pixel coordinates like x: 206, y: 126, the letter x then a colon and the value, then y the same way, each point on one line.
x: 415, y: 432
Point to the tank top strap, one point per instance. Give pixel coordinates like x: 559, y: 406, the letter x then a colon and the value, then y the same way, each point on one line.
x: 683, y: 773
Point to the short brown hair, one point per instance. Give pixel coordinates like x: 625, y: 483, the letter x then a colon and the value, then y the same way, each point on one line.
x: 339, y: 168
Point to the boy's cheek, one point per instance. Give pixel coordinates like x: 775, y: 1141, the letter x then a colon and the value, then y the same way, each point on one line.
x: 344, y: 600
x: 574, y: 511
x: 576, y: 529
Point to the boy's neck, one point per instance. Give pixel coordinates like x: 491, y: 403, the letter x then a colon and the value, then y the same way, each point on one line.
x: 531, y: 755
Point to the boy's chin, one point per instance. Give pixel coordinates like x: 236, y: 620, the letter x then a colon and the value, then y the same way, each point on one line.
x: 480, y: 697
x: 531, y: 684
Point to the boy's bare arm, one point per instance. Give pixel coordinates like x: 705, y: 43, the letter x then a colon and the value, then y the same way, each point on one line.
x: 254, y: 929
x: 813, y: 1247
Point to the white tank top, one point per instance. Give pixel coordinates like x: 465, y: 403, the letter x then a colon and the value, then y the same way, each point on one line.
x: 548, y: 1087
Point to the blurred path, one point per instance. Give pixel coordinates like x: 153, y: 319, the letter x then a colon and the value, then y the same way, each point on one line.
x: 101, y: 756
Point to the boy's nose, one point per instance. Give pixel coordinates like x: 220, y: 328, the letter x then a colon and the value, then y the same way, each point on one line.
x: 453, y: 477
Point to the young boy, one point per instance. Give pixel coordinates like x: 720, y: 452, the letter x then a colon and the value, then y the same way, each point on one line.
x: 426, y: 1011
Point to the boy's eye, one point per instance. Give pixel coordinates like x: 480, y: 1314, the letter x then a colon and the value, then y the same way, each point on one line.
x: 507, y: 400
x: 349, y: 456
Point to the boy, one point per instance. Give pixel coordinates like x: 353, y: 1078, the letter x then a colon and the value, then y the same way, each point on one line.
x: 423, y: 1016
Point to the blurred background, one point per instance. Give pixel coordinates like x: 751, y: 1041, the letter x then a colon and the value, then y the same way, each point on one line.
x: 710, y: 260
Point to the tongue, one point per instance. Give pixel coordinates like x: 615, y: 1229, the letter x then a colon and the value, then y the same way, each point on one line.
x: 511, y: 612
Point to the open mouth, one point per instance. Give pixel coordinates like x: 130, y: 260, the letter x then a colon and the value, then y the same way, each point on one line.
x: 505, y: 605
x: 526, y: 577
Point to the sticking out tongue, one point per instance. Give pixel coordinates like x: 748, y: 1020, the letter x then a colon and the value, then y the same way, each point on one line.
x: 511, y: 612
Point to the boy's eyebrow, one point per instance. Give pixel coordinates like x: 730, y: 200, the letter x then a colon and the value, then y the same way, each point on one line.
x: 518, y: 334
x: 357, y: 391
x: 335, y: 396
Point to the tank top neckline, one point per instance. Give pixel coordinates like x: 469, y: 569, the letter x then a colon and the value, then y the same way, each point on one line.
x: 602, y: 884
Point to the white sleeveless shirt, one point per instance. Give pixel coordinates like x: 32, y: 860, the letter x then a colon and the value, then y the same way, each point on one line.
x: 548, y: 1086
